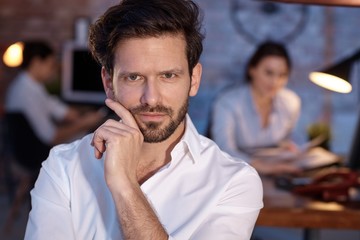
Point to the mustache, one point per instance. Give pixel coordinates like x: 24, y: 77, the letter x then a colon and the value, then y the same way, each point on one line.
x: 147, y: 108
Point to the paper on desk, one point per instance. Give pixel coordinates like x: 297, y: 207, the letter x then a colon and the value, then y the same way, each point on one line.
x: 275, y: 154
x: 308, y: 155
x: 317, y: 157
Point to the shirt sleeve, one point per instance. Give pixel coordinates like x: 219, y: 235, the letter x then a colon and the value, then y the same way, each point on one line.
x: 235, y: 215
x: 295, y: 134
x: 223, y: 129
x: 50, y: 214
x: 39, y: 118
x: 57, y: 107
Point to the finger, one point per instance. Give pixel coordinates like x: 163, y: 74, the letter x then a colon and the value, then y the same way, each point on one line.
x: 99, y: 145
x: 104, y: 133
x: 98, y: 154
x: 122, y: 112
x: 98, y: 151
x: 107, y: 124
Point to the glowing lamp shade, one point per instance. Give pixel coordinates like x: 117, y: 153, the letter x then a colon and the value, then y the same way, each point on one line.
x: 336, y: 77
x: 13, y: 55
x: 330, y: 82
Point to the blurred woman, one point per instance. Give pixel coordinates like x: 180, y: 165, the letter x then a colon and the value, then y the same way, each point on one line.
x: 262, y: 113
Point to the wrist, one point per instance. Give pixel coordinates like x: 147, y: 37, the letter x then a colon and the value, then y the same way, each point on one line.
x: 121, y: 185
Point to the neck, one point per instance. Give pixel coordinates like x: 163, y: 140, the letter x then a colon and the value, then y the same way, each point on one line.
x: 33, y: 74
x: 260, y: 99
x: 263, y: 106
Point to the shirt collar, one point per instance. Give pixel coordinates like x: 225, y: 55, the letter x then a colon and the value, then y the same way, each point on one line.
x: 191, y: 139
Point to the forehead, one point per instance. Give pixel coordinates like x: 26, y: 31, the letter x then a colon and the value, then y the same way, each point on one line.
x: 147, y: 50
x: 51, y: 59
x: 273, y: 62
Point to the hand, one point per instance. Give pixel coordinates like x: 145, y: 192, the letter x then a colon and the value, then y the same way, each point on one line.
x: 274, y: 168
x: 289, y: 146
x: 122, y: 140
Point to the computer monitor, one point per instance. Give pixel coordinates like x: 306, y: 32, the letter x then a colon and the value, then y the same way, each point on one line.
x: 81, y: 76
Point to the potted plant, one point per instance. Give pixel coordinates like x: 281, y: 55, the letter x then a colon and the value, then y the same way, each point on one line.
x: 320, y: 129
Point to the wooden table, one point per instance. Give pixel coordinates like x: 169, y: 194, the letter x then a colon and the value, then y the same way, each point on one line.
x: 284, y: 209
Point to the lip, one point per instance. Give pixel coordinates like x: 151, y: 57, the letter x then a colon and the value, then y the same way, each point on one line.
x: 152, y: 116
x: 271, y: 89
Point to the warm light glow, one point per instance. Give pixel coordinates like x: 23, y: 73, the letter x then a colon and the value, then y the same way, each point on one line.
x: 330, y: 82
x: 13, y: 55
x: 327, y: 206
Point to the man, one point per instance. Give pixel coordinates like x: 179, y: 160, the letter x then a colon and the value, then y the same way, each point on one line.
x: 33, y: 116
x: 50, y: 120
x: 156, y: 177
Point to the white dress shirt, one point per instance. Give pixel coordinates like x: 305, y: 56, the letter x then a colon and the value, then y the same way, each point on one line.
x: 203, y: 193
x: 236, y: 124
x: 27, y: 96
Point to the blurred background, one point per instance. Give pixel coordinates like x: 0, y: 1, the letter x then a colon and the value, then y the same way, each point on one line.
x: 316, y: 36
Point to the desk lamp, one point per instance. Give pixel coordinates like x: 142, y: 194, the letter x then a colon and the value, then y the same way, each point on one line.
x: 336, y: 77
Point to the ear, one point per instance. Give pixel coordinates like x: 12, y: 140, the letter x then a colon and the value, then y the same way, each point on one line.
x: 251, y: 72
x: 107, y: 83
x: 195, y: 80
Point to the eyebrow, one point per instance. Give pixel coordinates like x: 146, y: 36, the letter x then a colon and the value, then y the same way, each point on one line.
x: 126, y: 73
x: 173, y: 70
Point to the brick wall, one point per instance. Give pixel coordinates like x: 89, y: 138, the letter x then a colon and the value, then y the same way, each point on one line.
x: 51, y: 20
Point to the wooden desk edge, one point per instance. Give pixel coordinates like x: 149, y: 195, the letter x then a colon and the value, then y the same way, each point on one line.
x: 309, y: 218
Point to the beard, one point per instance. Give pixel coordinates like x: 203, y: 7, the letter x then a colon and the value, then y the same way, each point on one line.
x: 152, y: 131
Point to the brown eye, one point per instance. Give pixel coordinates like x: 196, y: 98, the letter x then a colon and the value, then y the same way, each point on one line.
x: 169, y: 75
x: 133, y: 77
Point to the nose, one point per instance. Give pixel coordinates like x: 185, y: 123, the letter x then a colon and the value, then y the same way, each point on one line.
x: 276, y: 80
x: 281, y: 80
x: 151, y: 93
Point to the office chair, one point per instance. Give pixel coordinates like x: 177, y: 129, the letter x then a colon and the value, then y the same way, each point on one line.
x: 26, y: 152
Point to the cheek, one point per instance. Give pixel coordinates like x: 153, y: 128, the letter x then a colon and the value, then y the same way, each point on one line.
x: 260, y: 82
x: 180, y: 93
x: 126, y: 96
x: 126, y: 103
x: 46, y: 74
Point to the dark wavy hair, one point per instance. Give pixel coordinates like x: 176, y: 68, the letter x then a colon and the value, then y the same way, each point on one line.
x: 146, y: 18
x: 266, y: 49
x: 33, y: 49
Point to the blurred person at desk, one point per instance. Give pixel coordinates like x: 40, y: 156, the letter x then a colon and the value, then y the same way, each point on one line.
x: 36, y: 120
x: 52, y: 121
x: 262, y: 113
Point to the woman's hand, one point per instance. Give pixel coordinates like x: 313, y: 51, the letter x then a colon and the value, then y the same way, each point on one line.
x: 289, y: 146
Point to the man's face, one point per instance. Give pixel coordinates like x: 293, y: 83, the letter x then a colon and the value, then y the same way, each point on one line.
x: 151, y: 79
x: 45, y: 68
